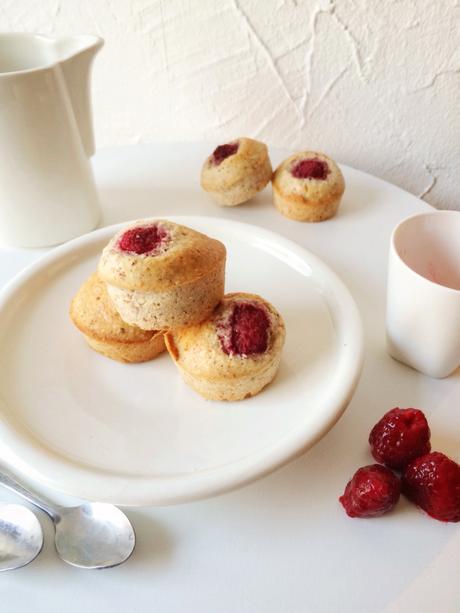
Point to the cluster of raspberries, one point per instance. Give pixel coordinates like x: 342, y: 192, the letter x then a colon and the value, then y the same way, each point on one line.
x: 401, y: 441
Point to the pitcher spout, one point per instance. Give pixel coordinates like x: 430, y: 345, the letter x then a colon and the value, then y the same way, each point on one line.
x: 75, y: 55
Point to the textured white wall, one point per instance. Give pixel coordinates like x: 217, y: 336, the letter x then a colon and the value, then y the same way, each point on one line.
x: 374, y: 83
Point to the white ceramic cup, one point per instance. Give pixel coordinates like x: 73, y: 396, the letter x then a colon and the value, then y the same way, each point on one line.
x: 423, y: 293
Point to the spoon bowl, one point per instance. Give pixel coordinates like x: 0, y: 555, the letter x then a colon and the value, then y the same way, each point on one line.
x: 90, y: 535
x: 94, y: 535
x: 21, y: 536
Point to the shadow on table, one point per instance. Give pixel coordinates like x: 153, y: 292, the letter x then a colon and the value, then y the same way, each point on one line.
x: 356, y: 198
x: 127, y: 203
x: 154, y: 543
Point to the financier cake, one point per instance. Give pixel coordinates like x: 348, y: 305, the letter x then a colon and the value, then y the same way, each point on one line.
x: 161, y: 275
x: 94, y: 315
x: 308, y: 186
x: 237, y: 171
x: 234, y: 353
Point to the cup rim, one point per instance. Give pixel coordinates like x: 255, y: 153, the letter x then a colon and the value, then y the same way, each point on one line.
x: 408, y: 219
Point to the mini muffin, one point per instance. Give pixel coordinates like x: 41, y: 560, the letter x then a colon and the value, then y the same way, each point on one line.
x: 161, y: 275
x: 308, y: 186
x: 235, y: 353
x: 235, y: 172
x: 94, y: 315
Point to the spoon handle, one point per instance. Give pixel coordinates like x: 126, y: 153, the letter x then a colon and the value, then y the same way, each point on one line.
x: 38, y: 501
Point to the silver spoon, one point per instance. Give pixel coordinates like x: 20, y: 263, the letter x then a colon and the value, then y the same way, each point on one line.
x: 91, y: 535
x: 21, y: 536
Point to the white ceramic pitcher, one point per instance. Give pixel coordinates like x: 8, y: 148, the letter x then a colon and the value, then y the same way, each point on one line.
x: 47, y: 189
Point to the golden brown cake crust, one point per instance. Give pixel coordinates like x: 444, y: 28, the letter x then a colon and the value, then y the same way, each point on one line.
x: 239, y: 177
x: 307, y: 199
x: 94, y: 315
x: 183, y: 305
x: 189, y: 256
x: 216, y: 375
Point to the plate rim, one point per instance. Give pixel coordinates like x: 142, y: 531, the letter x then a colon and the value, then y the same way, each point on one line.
x: 155, y: 491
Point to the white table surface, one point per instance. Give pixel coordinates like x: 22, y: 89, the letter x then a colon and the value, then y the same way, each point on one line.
x: 282, y: 544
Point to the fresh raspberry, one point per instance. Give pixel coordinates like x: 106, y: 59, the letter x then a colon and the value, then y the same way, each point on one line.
x: 372, y: 491
x: 246, y: 332
x: 144, y: 239
x: 223, y: 151
x: 399, y: 437
x: 311, y: 169
x: 432, y: 481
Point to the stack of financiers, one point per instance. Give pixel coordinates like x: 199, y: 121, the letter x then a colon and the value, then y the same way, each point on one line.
x: 159, y: 283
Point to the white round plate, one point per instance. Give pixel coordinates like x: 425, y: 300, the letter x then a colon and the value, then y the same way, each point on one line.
x: 136, y: 434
